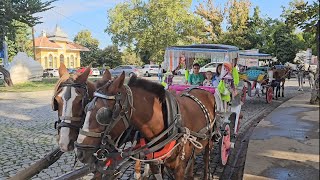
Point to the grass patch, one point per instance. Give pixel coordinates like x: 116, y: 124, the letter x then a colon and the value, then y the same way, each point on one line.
x: 45, y: 84
x: 29, y: 87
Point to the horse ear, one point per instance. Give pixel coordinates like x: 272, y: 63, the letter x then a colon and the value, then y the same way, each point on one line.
x: 63, y: 70
x: 82, y: 78
x: 118, y: 82
x: 107, y: 75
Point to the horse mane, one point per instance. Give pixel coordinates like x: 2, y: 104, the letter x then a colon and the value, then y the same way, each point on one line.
x: 152, y: 87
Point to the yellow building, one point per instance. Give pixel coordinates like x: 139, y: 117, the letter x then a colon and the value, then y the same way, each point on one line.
x: 51, y: 49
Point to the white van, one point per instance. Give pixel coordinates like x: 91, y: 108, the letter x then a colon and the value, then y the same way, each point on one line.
x: 150, y: 69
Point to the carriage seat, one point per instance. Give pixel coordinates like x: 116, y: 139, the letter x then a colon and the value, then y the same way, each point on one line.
x: 253, y: 74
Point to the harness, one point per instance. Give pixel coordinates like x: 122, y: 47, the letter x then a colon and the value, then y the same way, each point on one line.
x: 61, y: 122
x: 155, y: 151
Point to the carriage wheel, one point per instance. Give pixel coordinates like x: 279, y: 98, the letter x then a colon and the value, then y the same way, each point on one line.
x: 225, y: 145
x: 244, y: 94
x: 269, y: 95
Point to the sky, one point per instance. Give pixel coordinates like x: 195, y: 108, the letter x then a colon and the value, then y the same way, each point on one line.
x: 76, y: 15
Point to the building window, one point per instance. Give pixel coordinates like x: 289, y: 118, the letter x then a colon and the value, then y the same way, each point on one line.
x: 72, y: 61
x: 56, y: 62
x: 68, y: 62
x: 61, y: 58
x: 50, y: 63
x: 51, y: 60
x: 46, y: 62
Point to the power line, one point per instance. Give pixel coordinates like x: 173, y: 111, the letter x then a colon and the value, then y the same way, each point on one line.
x: 72, y: 20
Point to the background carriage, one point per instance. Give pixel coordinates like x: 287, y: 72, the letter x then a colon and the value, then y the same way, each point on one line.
x: 183, y: 57
x: 256, y: 78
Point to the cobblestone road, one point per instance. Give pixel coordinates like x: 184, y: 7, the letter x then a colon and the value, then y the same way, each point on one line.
x: 27, y: 133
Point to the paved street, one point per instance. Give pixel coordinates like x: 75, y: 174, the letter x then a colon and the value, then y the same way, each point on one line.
x: 27, y: 133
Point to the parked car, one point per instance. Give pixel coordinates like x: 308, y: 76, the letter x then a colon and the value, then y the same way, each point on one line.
x: 95, y: 72
x: 128, y: 69
x: 149, y: 70
x: 1, y: 76
x: 51, y: 72
x: 82, y: 69
x: 209, y: 67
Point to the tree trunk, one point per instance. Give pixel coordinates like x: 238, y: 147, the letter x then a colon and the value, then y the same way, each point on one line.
x: 315, y: 90
x: 6, y: 75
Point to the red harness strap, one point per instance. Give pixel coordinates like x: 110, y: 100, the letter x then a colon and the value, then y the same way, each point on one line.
x: 166, y: 149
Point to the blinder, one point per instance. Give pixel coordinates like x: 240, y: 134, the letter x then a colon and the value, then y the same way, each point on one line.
x: 104, y: 116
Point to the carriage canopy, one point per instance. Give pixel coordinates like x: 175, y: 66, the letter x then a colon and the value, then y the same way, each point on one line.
x: 250, y: 59
x: 184, y: 56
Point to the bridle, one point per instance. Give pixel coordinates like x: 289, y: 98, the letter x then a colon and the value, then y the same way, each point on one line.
x: 61, y: 122
x: 109, y: 117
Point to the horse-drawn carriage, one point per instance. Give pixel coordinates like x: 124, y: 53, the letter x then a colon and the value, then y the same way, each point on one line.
x: 228, y: 113
x: 256, y: 78
x: 111, y: 123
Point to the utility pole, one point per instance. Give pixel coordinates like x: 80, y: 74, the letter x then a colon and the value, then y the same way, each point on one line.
x: 34, y: 44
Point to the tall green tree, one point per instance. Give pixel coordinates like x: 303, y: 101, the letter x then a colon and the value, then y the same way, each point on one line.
x: 306, y: 16
x: 85, y: 39
x: 301, y: 14
x: 213, y: 16
x: 129, y: 57
x: 285, y: 46
x: 148, y: 27
x: 21, y: 42
x: 21, y: 11
x: 110, y: 56
x: 253, y: 32
x: 237, y: 16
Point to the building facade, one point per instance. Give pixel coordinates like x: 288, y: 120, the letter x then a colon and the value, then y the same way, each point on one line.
x: 52, y: 49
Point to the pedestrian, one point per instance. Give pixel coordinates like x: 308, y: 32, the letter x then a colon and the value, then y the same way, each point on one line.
x: 160, y: 73
x: 300, y: 76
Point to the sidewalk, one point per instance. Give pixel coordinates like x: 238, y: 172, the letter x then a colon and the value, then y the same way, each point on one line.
x: 285, y: 144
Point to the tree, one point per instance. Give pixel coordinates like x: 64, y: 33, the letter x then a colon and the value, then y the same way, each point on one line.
x: 306, y: 17
x: 21, y: 11
x: 148, y: 27
x: 237, y: 16
x: 110, y: 56
x: 285, y: 46
x: 22, y: 41
x: 130, y: 57
x: 253, y: 32
x: 85, y: 39
x: 213, y: 16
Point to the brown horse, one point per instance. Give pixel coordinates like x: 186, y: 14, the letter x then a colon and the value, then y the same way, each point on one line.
x: 71, y: 94
x: 190, y: 129
x: 280, y: 76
